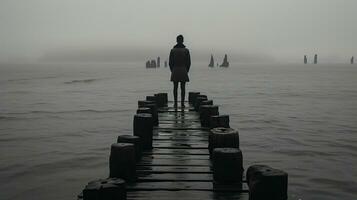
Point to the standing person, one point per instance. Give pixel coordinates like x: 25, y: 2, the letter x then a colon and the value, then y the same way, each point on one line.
x: 179, y: 63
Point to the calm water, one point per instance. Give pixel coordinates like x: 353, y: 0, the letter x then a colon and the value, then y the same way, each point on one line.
x: 57, y: 122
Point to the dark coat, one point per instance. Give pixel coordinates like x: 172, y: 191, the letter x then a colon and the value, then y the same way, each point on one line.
x: 180, y: 63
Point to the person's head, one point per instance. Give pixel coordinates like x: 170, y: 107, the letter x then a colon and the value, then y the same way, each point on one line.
x: 179, y: 39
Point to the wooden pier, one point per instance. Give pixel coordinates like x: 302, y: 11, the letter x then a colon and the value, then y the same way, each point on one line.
x: 177, y: 156
x: 179, y: 166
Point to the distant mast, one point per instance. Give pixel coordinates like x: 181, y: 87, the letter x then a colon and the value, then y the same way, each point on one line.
x: 315, y: 59
x: 352, y: 60
x: 211, y: 63
x: 305, y: 59
x: 225, y: 61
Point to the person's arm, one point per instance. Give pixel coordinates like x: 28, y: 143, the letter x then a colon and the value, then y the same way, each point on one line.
x: 171, y: 60
x: 188, y: 62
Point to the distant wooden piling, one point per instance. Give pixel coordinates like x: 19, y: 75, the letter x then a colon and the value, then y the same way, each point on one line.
x: 122, y: 161
x: 143, y: 128
x: 267, y: 183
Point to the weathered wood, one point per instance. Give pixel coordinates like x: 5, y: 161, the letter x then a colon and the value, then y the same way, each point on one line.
x: 122, y: 161
x: 219, y: 121
x: 227, y: 165
x: 154, y: 112
x: 186, y: 195
x: 143, y: 128
x: 179, y: 186
x: 111, y: 188
x: 174, y: 169
x: 267, y: 183
x: 135, y: 140
x: 205, y: 103
x: 223, y: 138
x: 143, y: 110
x: 152, y: 98
x: 206, y: 111
x: 192, y: 97
x: 161, y: 99
x: 163, y: 151
x: 198, y: 101
x: 175, y: 159
x: 142, y: 103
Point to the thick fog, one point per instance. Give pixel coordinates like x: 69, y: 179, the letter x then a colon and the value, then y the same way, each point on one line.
x: 275, y: 30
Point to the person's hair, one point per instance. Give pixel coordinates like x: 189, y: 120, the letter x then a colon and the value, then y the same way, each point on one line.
x: 179, y: 39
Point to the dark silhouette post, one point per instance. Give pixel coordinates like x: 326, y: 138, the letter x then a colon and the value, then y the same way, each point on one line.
x: 158, y: 61
x: 225, y: 61
x: 211, y: 63
x: 352, y: 60
x: 165, y: 63
x: 315, y: 59
x: 305, y: 59
x: 153, y: 64
x: 179, y: 62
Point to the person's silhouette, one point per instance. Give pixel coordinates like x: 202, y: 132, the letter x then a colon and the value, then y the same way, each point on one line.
x: 179, y: 63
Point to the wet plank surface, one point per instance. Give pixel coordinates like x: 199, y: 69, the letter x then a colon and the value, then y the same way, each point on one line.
x: 178, y: 167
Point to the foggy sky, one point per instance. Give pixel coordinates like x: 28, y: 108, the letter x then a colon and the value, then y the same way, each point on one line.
x: 282, y: 29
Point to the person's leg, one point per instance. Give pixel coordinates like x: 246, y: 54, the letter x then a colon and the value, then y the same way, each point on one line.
x: 175, y: 93
x: 183, y: 92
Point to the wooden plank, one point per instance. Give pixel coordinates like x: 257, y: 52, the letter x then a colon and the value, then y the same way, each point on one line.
x: 149, y: 177
x: 185, y: 195
x: 174, y: 169
x: 176, y: 156
x: 175, y: 162
x: 165, y: 138
x: 187, y: 134
x: 164, y: 151
x: 179, y: 145
x: 182, y: 126
x: 182, y: 185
